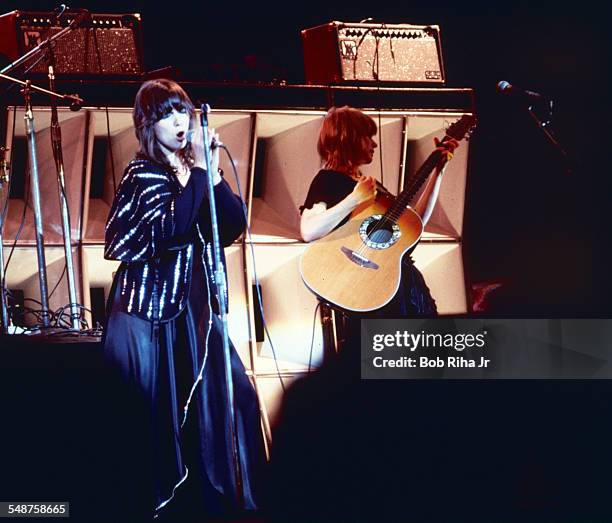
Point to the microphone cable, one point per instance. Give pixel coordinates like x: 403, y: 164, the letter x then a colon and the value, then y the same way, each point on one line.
x: 257, y: 286
x: 312, y: 335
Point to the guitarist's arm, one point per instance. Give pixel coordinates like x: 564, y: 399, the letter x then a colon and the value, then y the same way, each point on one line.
x: 427, y: 200
x: 319, y: 220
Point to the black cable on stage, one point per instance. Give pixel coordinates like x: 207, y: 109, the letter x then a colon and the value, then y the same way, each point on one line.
x: 248, y: 229
x: 59, y: 280
x: 23, y: 215
x: 110, y: 149
x: 314, y: 322
x: 6, y: 202
x: 108, y: 133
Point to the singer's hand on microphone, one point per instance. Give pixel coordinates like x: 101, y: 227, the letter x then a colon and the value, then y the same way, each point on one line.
x: 194, y: 136
x: 214, y: 159
x: 197, y: 148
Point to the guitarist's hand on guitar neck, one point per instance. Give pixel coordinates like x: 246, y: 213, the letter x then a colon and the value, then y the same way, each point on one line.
x: 364, y: 191
x: 447, y: 148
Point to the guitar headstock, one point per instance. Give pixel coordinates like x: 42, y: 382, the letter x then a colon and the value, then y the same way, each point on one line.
x: 462, y: 128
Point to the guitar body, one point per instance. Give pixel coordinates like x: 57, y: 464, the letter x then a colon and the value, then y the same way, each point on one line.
x: 358, y: 266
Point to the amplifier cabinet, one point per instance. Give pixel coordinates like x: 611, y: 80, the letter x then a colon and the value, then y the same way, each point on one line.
x: 110, y: 44
x: 339, y: 52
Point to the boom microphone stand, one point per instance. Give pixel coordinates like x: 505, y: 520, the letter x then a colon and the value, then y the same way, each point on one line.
x: 531, y: 99
x: 545, y: 127
x: 34, y: 182
x: 56, y: 142
x: 221, y: 294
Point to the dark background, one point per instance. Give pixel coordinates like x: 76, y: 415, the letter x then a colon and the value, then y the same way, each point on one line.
x: 539, y: 231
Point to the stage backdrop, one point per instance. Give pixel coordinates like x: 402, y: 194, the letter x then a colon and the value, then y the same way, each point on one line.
x: 275, y: 157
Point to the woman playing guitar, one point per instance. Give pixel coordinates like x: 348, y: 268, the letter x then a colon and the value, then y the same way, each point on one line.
x: 346, y: 142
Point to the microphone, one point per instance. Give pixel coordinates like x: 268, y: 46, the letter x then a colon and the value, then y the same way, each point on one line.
x: 214, y: 143
x: 76, y: 102
x: 512, y: 90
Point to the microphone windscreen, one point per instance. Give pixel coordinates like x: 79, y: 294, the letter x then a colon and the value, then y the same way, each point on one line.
x: 503, y: 86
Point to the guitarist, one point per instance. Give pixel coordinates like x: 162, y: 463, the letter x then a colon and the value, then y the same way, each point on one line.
x: 346, y: 142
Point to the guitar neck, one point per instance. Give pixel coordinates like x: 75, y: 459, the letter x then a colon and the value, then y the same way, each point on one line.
x: 404, y: 198
x: 456, y: 131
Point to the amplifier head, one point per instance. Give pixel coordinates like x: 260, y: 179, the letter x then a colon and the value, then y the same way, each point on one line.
x: 340, y: 52
x: 107, y: 44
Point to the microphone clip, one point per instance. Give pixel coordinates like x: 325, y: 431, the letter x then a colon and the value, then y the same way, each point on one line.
x: 76, y: 102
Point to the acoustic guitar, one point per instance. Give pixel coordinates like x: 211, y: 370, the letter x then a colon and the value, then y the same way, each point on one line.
x: 357, y: 267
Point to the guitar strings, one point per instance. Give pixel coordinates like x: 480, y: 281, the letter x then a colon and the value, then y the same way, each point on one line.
x: 390, y: 217
x: 394, y: 212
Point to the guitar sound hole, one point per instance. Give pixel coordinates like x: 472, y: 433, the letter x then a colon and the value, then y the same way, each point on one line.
x: 379, y: 233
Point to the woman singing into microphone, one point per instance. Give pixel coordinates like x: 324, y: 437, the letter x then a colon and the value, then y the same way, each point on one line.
x: 163, y: 332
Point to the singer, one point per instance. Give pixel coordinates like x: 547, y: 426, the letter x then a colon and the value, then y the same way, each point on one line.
x: 163, y: 333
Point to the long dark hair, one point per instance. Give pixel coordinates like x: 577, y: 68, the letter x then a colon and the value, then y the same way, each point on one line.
x: 154, y: 99
x: 340, y: 142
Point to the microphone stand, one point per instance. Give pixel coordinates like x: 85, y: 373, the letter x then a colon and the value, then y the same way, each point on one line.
x: 56, y: 143
x: 40, y: 242
x: 35, y: 187
x: 543, y: 125
x: 4, y: 178
x: 76, y: 103
x: 221, y: 294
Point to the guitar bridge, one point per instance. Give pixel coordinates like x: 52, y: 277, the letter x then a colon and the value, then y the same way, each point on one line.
x: 358, y: 259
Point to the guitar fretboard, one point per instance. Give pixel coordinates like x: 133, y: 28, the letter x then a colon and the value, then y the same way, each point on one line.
x: 404, y: 198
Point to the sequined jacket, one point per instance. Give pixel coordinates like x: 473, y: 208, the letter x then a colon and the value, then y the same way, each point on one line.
x: 155, y: 274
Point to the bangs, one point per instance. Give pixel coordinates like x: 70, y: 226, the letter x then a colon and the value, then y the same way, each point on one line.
x: 165, y: 106
x: 159, y: 97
